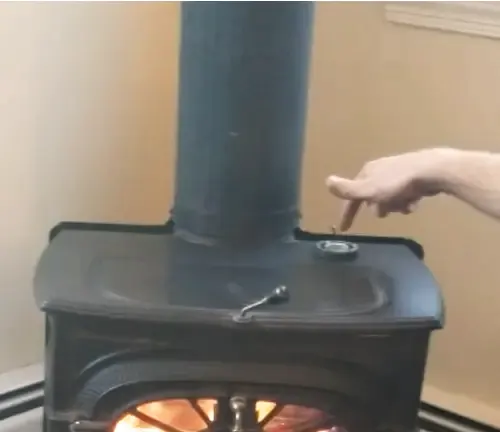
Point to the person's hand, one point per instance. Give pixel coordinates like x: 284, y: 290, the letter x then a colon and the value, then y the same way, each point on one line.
x: 392, y: 184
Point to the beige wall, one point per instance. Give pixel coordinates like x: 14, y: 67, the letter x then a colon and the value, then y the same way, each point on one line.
x: 87, y: 102
x: 87, y: 116
x: 377, y: 89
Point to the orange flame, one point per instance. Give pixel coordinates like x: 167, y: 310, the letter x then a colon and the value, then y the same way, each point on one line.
x: 178, y: 413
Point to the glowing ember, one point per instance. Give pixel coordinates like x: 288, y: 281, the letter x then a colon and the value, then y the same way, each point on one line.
x: 179, y: 414
x: 129, y: 423
x: 263, y: 408
x: 186, y: 416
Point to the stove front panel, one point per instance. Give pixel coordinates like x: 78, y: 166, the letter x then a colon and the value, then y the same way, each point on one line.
x: 107, y: 371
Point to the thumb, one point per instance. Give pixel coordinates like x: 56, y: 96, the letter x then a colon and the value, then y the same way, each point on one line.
x: 348, y: 189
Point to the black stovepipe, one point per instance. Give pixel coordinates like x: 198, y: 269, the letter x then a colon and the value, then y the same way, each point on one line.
x: 242, y: 110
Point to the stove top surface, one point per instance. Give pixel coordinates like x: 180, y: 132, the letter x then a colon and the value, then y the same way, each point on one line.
x: 160, y: 277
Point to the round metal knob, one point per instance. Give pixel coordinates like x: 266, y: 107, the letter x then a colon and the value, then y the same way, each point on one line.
x: 279, y: 295
x: 337, y: 249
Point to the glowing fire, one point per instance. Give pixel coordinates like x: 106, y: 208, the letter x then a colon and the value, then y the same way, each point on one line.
x: 179, y: 414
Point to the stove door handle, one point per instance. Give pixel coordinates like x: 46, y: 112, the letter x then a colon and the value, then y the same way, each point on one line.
x: 278, y: 295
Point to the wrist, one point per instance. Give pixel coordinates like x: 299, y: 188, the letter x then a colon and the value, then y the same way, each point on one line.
x: 440, y: 173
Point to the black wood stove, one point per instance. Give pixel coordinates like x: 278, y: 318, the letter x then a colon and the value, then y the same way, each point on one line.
x: 230, y: 318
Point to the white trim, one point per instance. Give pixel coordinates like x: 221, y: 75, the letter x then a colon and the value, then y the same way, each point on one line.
x: 463, y: 405
x: 21, y: 377
x: 478, y: 18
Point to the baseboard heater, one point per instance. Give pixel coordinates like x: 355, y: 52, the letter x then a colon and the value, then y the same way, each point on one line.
x: 29, y: 397
x: 20, y: 400
x: 435, y: 419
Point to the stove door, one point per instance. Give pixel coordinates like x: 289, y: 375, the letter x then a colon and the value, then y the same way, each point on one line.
x: 238, y: 413
x: 158, y: 395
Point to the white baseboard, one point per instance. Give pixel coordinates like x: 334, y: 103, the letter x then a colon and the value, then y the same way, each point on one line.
x: 478, y: 18
x: 462, y: 405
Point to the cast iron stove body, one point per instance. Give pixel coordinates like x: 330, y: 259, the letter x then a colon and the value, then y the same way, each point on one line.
x: 229, y: 317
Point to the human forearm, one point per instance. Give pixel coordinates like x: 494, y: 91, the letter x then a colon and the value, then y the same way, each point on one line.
x: 395, y: 184
x: 472, y: 177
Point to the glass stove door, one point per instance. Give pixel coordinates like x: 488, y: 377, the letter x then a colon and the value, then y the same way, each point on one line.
x: 236, y: 414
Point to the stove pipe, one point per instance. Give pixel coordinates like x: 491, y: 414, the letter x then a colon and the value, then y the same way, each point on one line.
x: 242, y: 109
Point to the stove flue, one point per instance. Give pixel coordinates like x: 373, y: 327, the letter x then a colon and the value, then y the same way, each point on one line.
x: 242, y: 109
x: 230, y: 318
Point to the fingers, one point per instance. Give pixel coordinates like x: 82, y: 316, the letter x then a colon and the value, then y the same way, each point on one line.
x: 349, y: 212
x: 361, y: 190
x: 385, y: 208
x: 410, y: 208
x: 352, y: 207
x: 355, y: 192
x: 357, y: 189
x: 382, y: 211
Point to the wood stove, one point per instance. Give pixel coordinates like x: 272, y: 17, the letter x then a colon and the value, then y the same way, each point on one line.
x: 230, y: 317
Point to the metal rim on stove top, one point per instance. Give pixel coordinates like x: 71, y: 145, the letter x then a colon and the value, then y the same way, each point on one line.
x: 337, y: 248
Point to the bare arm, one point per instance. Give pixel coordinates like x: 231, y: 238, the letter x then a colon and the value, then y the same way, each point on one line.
x: 397, y: 183
x: 473, y: 177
